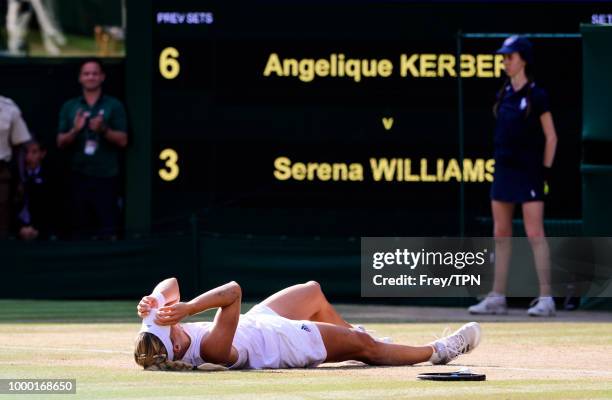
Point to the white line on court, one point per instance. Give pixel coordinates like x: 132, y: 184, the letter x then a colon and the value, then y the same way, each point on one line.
x: 64, y: 349
x: 544, y: 369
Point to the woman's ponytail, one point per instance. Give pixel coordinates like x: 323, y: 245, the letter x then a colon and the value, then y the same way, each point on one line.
x: 530, y: 80
x: 151, y: 354
x: 168, y: 365
x: 500, y: 96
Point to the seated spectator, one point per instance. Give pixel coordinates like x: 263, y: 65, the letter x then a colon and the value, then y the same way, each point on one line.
x: 35, y: 218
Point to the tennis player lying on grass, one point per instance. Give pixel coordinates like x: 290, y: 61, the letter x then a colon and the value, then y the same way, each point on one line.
x: 294, y: 328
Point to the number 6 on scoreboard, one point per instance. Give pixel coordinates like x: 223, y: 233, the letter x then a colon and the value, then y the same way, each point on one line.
x: 169, y: 66
x: 171, y: 171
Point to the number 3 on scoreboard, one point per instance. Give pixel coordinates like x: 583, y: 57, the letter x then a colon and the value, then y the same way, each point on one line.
x: 169, y: 66
x: 171, y: 170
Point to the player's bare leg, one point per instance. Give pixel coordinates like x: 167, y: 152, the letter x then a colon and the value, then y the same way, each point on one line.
x: 305, y: 301
x: 343, y: 344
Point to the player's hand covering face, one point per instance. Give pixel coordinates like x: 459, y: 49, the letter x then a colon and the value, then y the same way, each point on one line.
x: 173, y: 314
x: 146, y: 304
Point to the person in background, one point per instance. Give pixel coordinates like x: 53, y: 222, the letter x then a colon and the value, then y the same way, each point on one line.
x: 35, y: 218
x: 18, y: 16
x: 93, y: 131
x: 525, y: 144
x: 13, y: 132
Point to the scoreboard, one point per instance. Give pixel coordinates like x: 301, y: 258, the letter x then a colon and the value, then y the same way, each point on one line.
x: 340, y: 118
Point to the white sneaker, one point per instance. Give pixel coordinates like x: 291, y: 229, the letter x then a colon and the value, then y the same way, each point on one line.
x: 385, y: 339
x: 542, y: 307
x: 490, y: 305
x: 462, y: 341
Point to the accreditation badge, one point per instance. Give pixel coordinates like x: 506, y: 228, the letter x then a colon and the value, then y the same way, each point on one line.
x: 90, y: 147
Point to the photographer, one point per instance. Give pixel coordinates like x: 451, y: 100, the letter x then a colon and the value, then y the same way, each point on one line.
x: 93, y: 130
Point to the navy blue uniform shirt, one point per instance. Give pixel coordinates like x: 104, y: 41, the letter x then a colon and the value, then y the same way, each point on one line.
x: 519, y: 140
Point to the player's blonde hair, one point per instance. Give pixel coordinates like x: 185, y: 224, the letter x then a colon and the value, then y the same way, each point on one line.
x: 150, y: 353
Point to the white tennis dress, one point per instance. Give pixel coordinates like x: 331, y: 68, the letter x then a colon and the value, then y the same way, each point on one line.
x: 264, y: 339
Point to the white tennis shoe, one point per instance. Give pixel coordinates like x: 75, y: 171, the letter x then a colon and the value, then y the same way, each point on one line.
x: 462, y: 341
x: 542, y: 307
x: 491, y: 305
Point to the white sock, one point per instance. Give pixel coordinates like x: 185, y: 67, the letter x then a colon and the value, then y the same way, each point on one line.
x: 438, y: 352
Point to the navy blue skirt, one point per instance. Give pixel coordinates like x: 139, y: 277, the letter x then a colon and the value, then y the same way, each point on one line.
x: 513, y: 185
